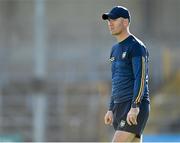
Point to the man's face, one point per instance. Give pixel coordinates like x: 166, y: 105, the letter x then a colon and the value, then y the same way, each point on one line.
x: 116, y: 26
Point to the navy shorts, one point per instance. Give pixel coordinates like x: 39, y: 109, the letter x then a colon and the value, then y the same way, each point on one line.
x: 120, y: 112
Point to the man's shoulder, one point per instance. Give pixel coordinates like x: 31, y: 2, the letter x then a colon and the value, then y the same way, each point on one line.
x: 137, y: 47
x: 137, y: 42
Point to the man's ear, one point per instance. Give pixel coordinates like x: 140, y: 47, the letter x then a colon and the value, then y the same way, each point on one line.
x: 126, y: 22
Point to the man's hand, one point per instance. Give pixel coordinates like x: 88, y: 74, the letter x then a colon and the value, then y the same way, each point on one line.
x: 108, y: 119
x: 132, y: 116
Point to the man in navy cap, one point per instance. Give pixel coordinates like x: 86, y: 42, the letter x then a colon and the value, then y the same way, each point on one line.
x: 129, y: 105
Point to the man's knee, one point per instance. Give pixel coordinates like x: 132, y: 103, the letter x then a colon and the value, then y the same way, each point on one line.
x: 122, y: 136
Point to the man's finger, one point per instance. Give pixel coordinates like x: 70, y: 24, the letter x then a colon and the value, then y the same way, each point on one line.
x: 128, y: 120
x: 133, y: 120
x: 108, y: 121
x: 105, y: 119
x: 111, y: 121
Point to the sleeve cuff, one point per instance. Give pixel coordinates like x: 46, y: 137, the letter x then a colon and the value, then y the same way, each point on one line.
x: 134, y: 105
x: 110, y: 108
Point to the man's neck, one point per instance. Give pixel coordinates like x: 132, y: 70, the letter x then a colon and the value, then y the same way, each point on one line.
x: 122, y: 36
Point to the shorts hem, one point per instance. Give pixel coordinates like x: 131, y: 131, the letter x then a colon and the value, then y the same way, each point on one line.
x: 137, y: 135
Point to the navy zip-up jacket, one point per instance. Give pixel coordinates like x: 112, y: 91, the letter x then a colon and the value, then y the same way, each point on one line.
x: 129, y: 60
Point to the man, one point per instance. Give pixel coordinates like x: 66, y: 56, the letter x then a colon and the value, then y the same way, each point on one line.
x: 129, y: 105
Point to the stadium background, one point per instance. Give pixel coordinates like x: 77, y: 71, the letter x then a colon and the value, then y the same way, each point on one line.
x: 55, y: 78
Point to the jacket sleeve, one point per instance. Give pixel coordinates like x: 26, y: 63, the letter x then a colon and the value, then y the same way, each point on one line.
x: 139, y: 76
x: 138, y: 65
x: 111, y: 104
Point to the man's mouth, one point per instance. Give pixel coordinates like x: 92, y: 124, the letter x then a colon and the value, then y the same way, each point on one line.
x: 111, y: 28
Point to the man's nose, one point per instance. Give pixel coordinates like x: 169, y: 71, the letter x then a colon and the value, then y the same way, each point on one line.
x: 110, y: 22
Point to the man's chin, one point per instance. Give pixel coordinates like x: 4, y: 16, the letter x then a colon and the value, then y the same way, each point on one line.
x: 114, y: 34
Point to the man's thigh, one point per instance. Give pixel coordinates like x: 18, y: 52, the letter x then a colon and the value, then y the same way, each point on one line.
x: 137, y: 140
x: 122, y: 136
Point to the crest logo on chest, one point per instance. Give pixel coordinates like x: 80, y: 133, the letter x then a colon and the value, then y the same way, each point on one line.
x: 124, y: 55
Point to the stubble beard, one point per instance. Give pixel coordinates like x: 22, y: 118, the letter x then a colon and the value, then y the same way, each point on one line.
x: 116, y: 33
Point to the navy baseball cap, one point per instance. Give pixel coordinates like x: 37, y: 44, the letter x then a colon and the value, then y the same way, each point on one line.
x: 117, y: 12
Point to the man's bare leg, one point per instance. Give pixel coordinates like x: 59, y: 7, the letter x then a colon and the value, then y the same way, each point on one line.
x: 137, y: 140
x: 122, y: 136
